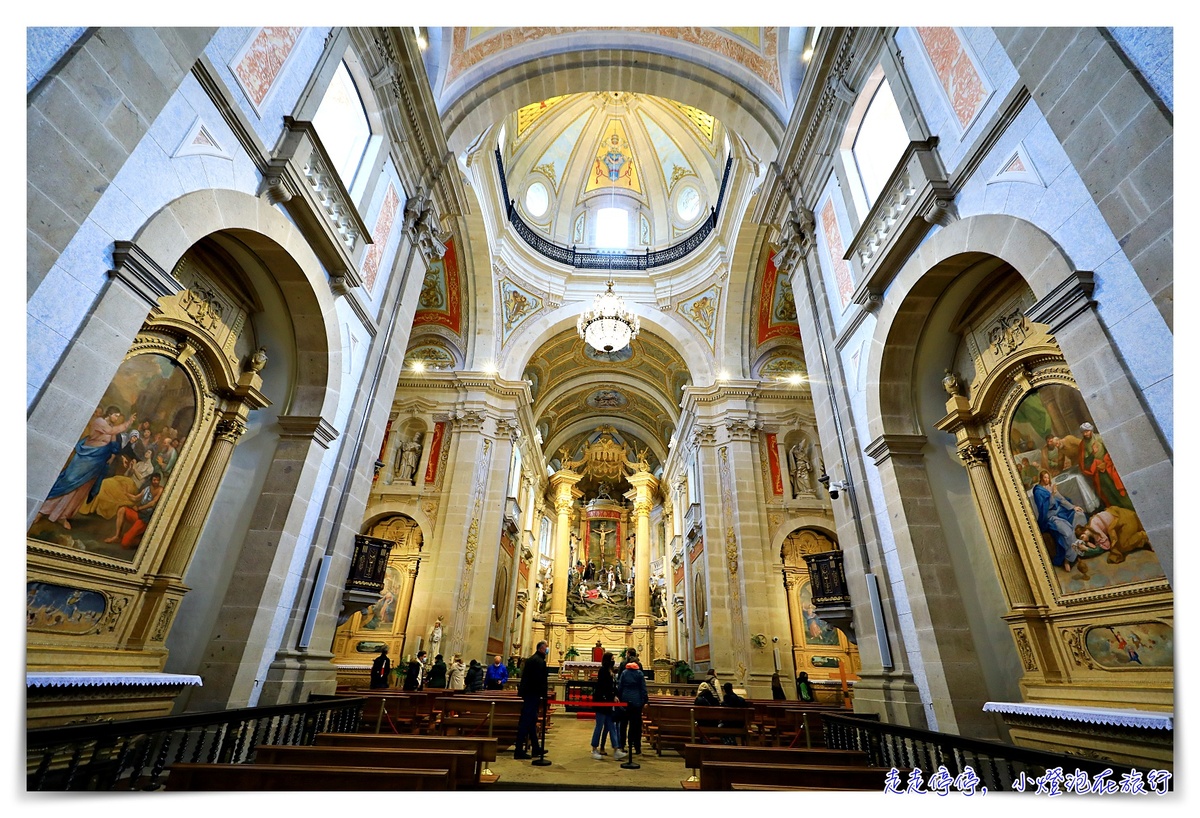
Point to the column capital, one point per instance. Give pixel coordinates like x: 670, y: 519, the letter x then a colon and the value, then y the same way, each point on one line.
x: 643, y: 480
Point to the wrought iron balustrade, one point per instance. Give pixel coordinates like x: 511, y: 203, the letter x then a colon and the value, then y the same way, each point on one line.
x: 999, y: 767
x: 137, y: 754
x: 613, y: 260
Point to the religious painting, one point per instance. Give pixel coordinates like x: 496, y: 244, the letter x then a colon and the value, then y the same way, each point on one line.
x: 606, y: 399
x: 109, y: 489
x: 61, y: 609
x: 824, y: 661
x: 1142, y: 644
x: 776, y: 309
x: 816, y: 630
x: 1084, y: 516
x: 381, y: 614
x: 440, y: 299
x: 500, y: 596
x: 368, y: 646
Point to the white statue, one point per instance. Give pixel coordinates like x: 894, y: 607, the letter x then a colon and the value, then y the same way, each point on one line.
x: 435, y: 638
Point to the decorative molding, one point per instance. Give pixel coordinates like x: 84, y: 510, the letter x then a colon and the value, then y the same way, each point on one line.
x: 1069, y: 299
x: 1143, y: 719
x: 1024, y: 649
x: 740, y: 429
x: 134, y: 268
x: 316, y: 428
x: 885, y: 446
x: 973, y: 454
x: 199, y: 141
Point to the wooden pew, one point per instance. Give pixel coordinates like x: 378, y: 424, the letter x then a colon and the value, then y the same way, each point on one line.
x: 460, y: 763
x: 287, y: 777
x: 721, y: 775
x: 485, y: 749
x: 696, y: 755
x: 470, y: 716
x: 674, y: 725
x: 390, y: 711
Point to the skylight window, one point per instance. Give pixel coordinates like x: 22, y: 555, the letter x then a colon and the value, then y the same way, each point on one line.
x: 612, y: 228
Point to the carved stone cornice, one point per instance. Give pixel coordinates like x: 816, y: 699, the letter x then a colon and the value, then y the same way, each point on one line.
x: 885, y: 446
x: 740, y: 428
x: 134, y: 268
x: 704, y: 435
x: 1069, y: 299
x: 230, y: 430
x: 315, y: 428
x: 468, y: 419
x: 973, y: 454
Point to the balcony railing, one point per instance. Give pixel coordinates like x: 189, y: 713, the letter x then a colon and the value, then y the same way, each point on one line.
x: 609, y: 260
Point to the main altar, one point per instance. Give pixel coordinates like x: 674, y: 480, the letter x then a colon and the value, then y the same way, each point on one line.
x: 600, y: 581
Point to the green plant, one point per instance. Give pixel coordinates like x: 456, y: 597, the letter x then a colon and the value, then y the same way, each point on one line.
x: 572, y: 653
x: 683, y: 670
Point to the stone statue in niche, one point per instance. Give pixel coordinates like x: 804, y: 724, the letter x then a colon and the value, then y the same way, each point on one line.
x: 800, y: 466
x: 435, y: 637
x: 410, y: 455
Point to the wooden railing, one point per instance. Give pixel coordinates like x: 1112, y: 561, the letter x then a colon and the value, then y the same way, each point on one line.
x: 136, y: 754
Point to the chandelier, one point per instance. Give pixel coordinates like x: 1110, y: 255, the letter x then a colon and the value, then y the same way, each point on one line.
x: 608, y: 325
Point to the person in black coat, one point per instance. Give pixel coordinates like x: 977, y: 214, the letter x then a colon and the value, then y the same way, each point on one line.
x: 631, y: 689
x: 534, y: 687
x: 380, y: 669
x: 474, y: 680
x: 412, y: 678
x: 605, y: 692
x: 437, y: 673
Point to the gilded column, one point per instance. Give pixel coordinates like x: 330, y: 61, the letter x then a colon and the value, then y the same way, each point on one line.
x: 564, y: 498
x: 643, y: 484
x: 229, y: 430
x: 974, y: 456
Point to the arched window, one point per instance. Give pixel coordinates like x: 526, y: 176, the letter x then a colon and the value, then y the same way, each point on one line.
x: 879, y: 143
x: 341, y: 122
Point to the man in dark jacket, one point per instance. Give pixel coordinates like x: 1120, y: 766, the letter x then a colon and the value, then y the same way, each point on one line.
x: 412, y: 678
x: 380, y: 669
x: 534, y: 687
x: 437, y: 673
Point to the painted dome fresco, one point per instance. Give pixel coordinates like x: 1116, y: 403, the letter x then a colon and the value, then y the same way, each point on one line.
x: 613, y: 170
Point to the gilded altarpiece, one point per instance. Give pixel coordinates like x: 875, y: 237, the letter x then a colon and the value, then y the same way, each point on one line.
x: 819, y: 648
x: 1089, y: 608
x: 109, y: 547
x: 382, y: 624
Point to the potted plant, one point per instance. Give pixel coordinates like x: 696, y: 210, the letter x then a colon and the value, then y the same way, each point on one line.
x: 572, y: 653
x: 682, y: 671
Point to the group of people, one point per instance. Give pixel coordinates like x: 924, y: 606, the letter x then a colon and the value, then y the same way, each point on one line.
x: 421, y: 675
x: 620, y: 694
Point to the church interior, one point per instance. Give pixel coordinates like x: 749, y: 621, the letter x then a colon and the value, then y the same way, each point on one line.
x: 836, y: 350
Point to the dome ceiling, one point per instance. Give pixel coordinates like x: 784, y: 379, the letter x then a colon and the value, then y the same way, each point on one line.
x: 570, y: 158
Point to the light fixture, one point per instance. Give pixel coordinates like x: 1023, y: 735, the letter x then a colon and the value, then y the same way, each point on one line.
x: 608, y: 325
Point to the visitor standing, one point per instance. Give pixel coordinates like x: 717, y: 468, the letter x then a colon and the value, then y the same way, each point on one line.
x: 474, y: 677
x: 533, y: 691
x: 437, y: 673
x: 416, y: 672
x: 458, y: 673
x: 604, y: 695
x: 380, y: 669
x: 804, y: 688
x: 497, y: 674
x: 777, y: 687
x: 631, y: 689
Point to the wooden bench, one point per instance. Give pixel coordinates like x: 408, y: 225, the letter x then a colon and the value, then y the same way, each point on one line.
x: 470, y: 716
x: 460, y: 763
x: 674, y: 725
x: 390, y: 711
x: 721, y: 775
x: 287, y: 777
x: 485, y: 749
x: 696, y: 755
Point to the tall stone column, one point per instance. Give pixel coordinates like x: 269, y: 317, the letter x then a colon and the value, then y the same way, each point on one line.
x: 564, y: 498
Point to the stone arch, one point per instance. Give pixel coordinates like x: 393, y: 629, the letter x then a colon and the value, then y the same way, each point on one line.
x: 817, y: 522
x: 742, y: 111
x: 919, y: 284
x: 541, y: 329
x: 286, y: 254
